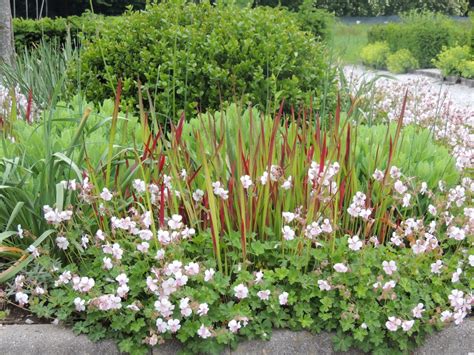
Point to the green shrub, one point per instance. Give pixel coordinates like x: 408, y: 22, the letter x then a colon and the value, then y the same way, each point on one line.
x: 423, y: 34
x: 29, y: 33
x: 190, y: 56
x: 467, y: 69
x: 375, y: 54
x: 450, y: 60
x: 317, y: 21
x: 401, y: 61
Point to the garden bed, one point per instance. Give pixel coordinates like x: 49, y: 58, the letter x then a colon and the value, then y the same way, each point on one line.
x: 51, y: 340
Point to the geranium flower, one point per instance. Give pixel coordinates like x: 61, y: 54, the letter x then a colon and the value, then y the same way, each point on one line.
x: 246, y: 181
x: 198, y: 195
x: 354, y: 243
x: 62, y: 242
x: 79, y: 304
x: 283, y: 298
x: 234, y: 326
x: 340, y: 267
x: 418, y: 310
x: 203, y: 309
x: 173, y: 325
x: 407, y: 325
x: 393, y: 323
x: 288, y: 233
x: 389, y: 267
x: 324, y: 285
x: 209, y: 274
x: 436, y: 267
x: 240, y: 291
x: 162, y: 326
x: 33, y: 250
x: 204, y: 332
x: 264, y: 295
x: 164, y: 307
x: 106, y: 195
x: 258, y: 277
x: 21, y: 298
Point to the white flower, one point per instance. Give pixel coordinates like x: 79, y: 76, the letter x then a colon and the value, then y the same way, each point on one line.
x: 84, y: 241
x: 288, y: 233
x: 399, y: 187
x: 340, y: 267
x: 209, y: 274
x: 354, y: 243
x: 326, y: 226
x: 204, y: 332
x: 324, y: 285
x: 220, y: 191
x: 395, y: 173
x: 82, y: 284
x: 107, y: 263
x: 139, y: 185
x: 456, y: 274
x: 105, y: 194
x: 62, y: 242
x: 80, y: 304
x: 288, y: 216
x: 393, y: 323
x: 389, y: 267
x: 19, y: 231
x: 264, y: 178
x: 39, y: 290
x: 418, y: 310
x: 145, y: 234
x: 21, y: 298
x: 419, y: 247
x: 241, y: 291
x: 203, y: 309
x: 424, y: 188
x: 164, y: 237
x: 264, y: 295
x: 407, y: 325
x: 389, y: 285
x: 122, y: 279
x: 198, y: 195
x: 122, y: 291
x: 143, y: 247
x: 406, y: 200
x: 287, y: 184
x: 446, y: 315
x: 173, y: 325
x: 246, y: 181
x: 432, y: 210
x: 33, y: 250
x: 164, y: 307
x: 258, y: 277
x: 175, y: 222
x: 456, y: 233
x: 436, y: 267
x: 161, y: 325
x: 471, y: 260
x: 283, y: 298
x: 456, y: 298
x: 160, y: 254
x: 234, y: 326
x: 192, y: 269
x: 378, y: 175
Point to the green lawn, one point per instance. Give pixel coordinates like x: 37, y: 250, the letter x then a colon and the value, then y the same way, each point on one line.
x: 348, y: 40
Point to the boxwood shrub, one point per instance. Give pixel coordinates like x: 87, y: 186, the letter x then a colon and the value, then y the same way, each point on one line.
x: 423, y: 34
x: 195, y: 56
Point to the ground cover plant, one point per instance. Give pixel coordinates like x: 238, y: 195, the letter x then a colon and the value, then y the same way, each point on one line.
x: 264, y: 222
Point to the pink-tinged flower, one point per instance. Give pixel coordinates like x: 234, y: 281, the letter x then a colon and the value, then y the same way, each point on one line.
x: 173, y: 267
x: 471, y: 260
x: 175, y: 222
x: 354, y: 243
x: 160, y: 254
x: 164, y: 237
x: 406, y: 200
x: 378, y: 175
x: 288, y: 216
x: 407, y: 325
x: 288, y: 233
x: 399, y: 187
x: 287, y: 184
x: 203, y: 309
x: 389, y: 267
x: 107, y: 263
x: 241, y: 291
x: 326, y: 226
x: 139, y: 185
x: 456, y: 233
x: 169, y: 286
x: 283, y: 298
x: 389, y: 285
x: 21, y: 298
x: 192, y: 269
x: 209, y: 274
x: 456, y: 298
x: 313, y: 230
x: 173, y: 325
x: 63, y: 279
x: 186, y: 310
x: 106, y: 195
x: 446, y: 315
x: 62, y: 242
x: 106, y: 302
x: 418, y: 310
x: 432, y: 210
x: 424, y: 188
x: 324, y: 285
x: 188, y: 232
x: 99, y: 235
x: 84, y: 241
x: 39, y: 291
x: 246, y: 181
x: 393, y: 323
x: 396, y: 239
x: 198, y: 195
x: 122, y: 279
x: 82, y: 284
x: 79, y: 304
x: 220, y: 191
x: 33, y: 250
x: 395, y: 172
x: 340, y: 267
x: 459, y: 316
x: 164, y: 307
x: 162, y: 326
x: 234, y: 326
x: 143, y: 247
x: 133, y: 307
x: 145, y: 234
x: 258, y: 277
x: 264, y: 295
x: 456, y: 274
x: 419, y: 247
x: 117, y: 251
x: 204, y: 332
x: 436, y: 267
x: 181, y: 279
x: 55, y: 216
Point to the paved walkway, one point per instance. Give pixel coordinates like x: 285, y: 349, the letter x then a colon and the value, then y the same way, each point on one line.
x: 461, y: 95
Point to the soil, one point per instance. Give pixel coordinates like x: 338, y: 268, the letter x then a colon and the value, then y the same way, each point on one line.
x: 15, y: 315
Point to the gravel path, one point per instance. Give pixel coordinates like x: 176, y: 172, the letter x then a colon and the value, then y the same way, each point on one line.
x: 461, y: 95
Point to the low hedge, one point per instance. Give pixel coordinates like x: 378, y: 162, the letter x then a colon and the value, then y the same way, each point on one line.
x: 423, y: 34
x: 29, y: 33
x: 191, y: 56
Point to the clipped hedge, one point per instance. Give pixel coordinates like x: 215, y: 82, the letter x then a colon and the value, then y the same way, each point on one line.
x: 423, y: 34
x: 191, y: 56
x: 29, y: 33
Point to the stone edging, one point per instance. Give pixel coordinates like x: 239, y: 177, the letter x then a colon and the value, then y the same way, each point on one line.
x: 47, y: 339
